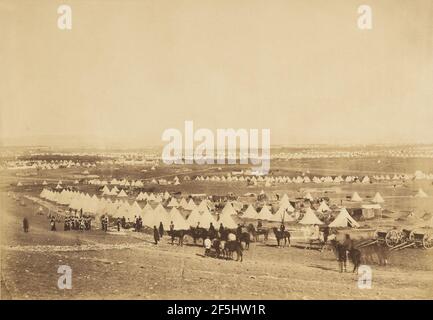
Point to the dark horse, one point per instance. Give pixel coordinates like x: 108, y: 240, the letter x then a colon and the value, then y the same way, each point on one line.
x: 233, y: 246
x: 244, y: 237
x: 280, y: 235
x: 240, y: 237
x: 256, y: 233
x: 342, y: 252
x: 202, y: 233
x: 177, y: 234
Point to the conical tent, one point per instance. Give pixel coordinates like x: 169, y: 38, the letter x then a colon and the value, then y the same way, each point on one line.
x: 177, y: 219
x: 136, y: 208
x: 344, y: 220
x: 203, y: 206
x: 250, y: 213
x: 122, y: 194
x: 147, y: 209
x: 265, y: 214
x: 151, y: 197
x: 206, y: 219
x: 323, y: 207
x: 193, y: 218
x: 183, y: 203
x: 162, y: 216
x: 421, y: 194
x: 310, y: 218
x: 227, y: 221
x: 173, y: 203
x: 378, y: 198
x: 282, y: 215
x: 191, y: 205
x: 152, y: 219
x: 356, y: 197
x: 285, y: 204
x: 228, y: 210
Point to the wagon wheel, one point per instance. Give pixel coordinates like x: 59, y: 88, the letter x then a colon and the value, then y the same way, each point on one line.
x: 392, y: 238
x: 427, y: 241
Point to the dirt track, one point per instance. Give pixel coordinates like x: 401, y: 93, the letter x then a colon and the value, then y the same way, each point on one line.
x: 129, y: 265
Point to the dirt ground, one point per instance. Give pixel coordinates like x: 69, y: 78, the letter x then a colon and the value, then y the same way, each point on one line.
x: 127, y: 265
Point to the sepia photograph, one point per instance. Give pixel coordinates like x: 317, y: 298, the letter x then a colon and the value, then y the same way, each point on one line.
x: 216, y: 150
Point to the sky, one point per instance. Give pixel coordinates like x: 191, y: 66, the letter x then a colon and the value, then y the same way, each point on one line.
x: 128, y: 70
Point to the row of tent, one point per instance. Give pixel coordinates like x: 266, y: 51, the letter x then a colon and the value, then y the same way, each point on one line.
x: 314, y: 179
x: 47, y: 165
x: 198, y: 214
x: 151, y: 216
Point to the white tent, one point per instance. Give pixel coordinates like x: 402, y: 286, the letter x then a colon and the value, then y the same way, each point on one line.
x: 227, y: 222
x: 282, y: 215
x: 147, y: 209
x: 151, y: 197
x: 203, y: 206
x: 162, y: 215
x: 356, y: 197
x: 323, y: 207
x: 344, y: 220
x: 122, y: 194
x: 191, y: 205
x: 206, y: 219
x: 228, y: 210
x: 310, y: 218
x: 177, y: 219
x: 173, y: 203
x: 193, y: 218
x: 250, y: 213
x: 378, y: 198
x: 44, y: 183
x: 285, y: 204
x: 421, y: 194
x: 183, y: 203
x: 265, y: 214
x: 136, y: 208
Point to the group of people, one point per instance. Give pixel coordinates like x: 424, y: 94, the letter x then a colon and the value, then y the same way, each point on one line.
x: 77, y: 223
x: 138, y: 223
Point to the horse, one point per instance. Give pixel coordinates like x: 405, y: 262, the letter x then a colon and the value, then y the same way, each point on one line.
x: 280, y: 235
x: 244, y: 237
x: 177, y: 234
x: 219, y: 247
x: 202, y: 233
x: 342, y: 253
x: 233, y: 246
x: 256, y: 233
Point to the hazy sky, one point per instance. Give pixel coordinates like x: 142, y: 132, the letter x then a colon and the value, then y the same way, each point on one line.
x: 130, y: 69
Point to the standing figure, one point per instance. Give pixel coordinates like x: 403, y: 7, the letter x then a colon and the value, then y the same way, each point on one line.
x: 207, y: 246
x: 53, y: 224
x: 172, y: 231
x: 155, y: 234
x: 119, y: 223
x: 25, y: 225
x: 161, y: 229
